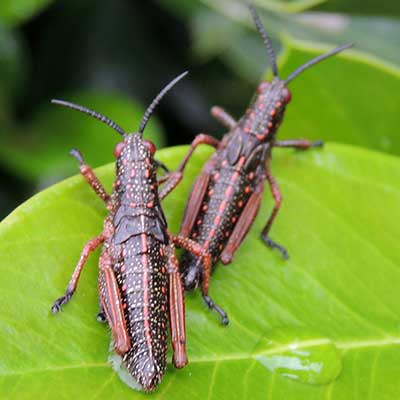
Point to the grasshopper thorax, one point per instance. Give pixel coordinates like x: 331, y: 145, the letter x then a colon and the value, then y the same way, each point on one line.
x: 263, y: 117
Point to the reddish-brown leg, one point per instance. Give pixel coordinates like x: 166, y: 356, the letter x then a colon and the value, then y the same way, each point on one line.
x: 301, y: 144
x: 223, y: 117
x: 278, y: 200
x: 201, y: 138
x: 203, y: 254
x: 110, y: 299
x: 176, y: 311
x: 90, y: 176
x: 176, y: 176
x: 243, y: 224
x: 170, y: 180
x: 90, y: 246
x: 195, y: 199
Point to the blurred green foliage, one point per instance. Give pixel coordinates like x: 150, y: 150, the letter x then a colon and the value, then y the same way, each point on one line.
x: 123, y: 52
x: 53, y: 129
x: 14, y: 12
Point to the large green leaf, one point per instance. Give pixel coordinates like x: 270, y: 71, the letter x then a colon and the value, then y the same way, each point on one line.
x: 329, y: 316
x: 39, y: 150
x: 372, y: 35
x: 375, y: 35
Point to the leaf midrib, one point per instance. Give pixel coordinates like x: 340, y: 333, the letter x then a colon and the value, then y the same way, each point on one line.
x: 343, y: 346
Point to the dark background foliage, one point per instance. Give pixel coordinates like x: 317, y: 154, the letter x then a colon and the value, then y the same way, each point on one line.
x: 128, y: 48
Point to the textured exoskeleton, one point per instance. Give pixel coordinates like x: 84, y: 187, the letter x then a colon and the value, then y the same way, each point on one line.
x: 226, y: 195
x: 140, y: 287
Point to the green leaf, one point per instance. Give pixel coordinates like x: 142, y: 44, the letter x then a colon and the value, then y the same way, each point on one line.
x: 40, y: 149
x: 220, y: 28
x: 13, y: 12
x: 329, y: 316
x: 375, y: 36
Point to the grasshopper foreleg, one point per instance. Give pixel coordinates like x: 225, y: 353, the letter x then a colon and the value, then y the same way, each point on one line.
x: 90, y: 246
x: 90, y: 176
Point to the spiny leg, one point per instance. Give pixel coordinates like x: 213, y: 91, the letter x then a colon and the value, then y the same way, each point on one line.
x: 176, y: 176
x: 90, y: 246
x: 90, y: 176
x: 278, y: 200
x: 176, y: 311
x: 302, y: 144
x: 199, y: 251
x: 223, y: 117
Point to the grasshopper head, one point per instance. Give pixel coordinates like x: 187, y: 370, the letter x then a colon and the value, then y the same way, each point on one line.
x: 264, y: 116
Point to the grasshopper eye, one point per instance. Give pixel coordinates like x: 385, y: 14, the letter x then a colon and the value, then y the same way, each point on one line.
x: 118, y: 149
x: 150, y: 146
x: 287, y: 95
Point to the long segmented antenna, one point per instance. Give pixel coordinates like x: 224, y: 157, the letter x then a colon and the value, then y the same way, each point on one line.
x: 92, y: 113
x: 266, y: 39
x: 316, y: 60
x: 157, y: 99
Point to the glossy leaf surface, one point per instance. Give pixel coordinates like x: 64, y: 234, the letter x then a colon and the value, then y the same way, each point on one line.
x: 329, y: 316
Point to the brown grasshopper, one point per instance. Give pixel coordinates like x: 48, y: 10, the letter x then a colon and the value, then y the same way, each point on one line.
x: 139, y: 282
x: 226, y: 196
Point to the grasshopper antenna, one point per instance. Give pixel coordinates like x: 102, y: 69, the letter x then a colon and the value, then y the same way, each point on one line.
x: 157, y: 99
x: 92, y: 113
x: 316, y: 60
x: 266, y: 39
